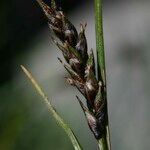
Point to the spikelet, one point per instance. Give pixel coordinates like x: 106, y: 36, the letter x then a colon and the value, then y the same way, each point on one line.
x: 80, y: 66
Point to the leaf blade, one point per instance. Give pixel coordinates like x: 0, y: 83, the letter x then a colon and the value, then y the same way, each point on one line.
x: 52, y: 110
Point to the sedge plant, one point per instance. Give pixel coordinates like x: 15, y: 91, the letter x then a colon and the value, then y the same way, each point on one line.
x: 80, y: 65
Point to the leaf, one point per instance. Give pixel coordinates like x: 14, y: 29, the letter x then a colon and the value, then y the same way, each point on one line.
x: 52, y: 110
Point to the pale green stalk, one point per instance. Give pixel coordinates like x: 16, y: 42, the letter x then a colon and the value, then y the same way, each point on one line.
x: 52, y: 110
x: 104, y: 142
x: 99, y: 39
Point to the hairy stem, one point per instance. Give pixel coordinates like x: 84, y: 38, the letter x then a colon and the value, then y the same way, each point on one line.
x: 104, y: 142
x: 52, y: 110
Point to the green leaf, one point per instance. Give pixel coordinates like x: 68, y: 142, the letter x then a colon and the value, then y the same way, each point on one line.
x: 52, y: 110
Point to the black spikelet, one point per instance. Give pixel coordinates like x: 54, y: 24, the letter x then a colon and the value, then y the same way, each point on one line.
x: 80, y: 65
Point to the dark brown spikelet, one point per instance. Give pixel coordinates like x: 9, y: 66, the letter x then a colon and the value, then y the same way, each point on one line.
x: 80, y: 66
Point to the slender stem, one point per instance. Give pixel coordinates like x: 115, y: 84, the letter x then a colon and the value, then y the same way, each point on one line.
x: 52, y: 110
x: 104, y: 142
x: 99, y: 39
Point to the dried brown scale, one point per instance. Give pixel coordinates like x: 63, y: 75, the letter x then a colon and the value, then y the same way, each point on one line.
x: 80, y: 66
x: 81, y: 45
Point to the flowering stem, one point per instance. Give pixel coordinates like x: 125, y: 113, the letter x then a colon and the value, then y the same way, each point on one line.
x: 52, y: 110
x: 104, y: 142
x: 99, y: 39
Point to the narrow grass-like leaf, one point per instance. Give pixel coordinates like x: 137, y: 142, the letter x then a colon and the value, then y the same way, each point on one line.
x: 52, y: 110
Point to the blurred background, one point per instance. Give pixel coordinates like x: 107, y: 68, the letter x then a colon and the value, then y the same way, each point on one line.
x: 25, y: 123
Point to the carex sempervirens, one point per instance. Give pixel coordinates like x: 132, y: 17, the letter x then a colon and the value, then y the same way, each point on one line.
x: 80, y: 65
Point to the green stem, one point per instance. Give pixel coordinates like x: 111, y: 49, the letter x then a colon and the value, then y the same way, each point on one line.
x: 104, y: 142
x: 52, y: 110
x: 100, y: 39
